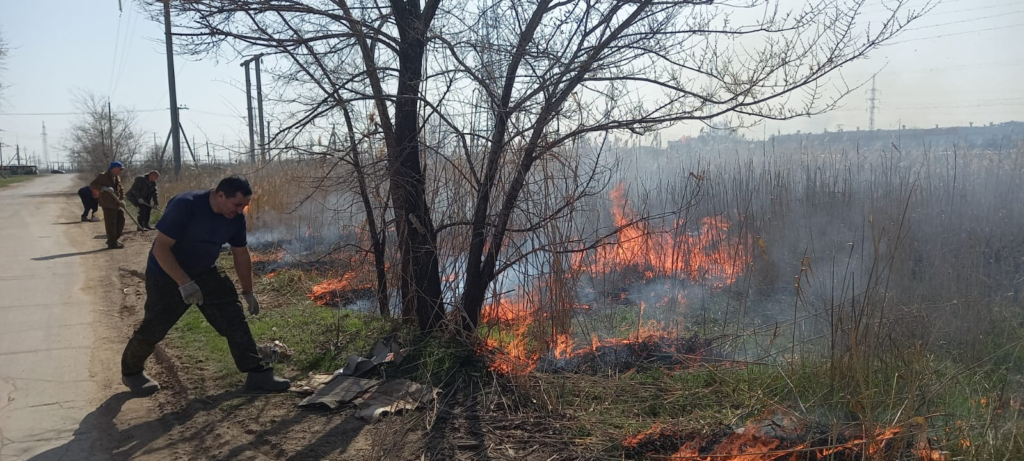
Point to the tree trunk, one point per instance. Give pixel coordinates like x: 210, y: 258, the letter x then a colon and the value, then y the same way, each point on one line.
x: 377, y: 238
x: 478, y: 275
x: 417, y: 237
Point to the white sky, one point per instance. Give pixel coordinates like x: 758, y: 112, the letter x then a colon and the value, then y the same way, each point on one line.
x: 961, y: 63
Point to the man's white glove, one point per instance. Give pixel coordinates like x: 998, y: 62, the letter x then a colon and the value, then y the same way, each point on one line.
x: 108, y: 189
x: 253, y: 302
x: 190, y: 293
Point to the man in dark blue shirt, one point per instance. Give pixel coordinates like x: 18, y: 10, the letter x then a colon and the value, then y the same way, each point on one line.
x: 182, y: 270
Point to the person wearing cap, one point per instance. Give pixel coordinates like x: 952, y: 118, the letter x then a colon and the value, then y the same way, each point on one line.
x: 143, y: 195
x: 110, y: 193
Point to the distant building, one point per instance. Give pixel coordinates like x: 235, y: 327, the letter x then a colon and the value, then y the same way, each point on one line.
x: 13, y: 170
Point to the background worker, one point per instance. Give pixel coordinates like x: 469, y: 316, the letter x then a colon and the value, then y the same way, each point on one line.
x: 89, y: 204
x: 110, y: 194
x: 182, y: 270
x: 143, y: 195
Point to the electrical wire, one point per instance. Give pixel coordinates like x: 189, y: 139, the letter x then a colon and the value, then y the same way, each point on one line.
x: 133, y: 21
x: 955, y: 34
x: 965, y: 20
x: 34, y: 114
x: 113, y: 61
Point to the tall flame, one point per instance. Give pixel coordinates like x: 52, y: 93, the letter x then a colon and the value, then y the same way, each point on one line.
x: 704, y: 255
x: 707, y: 256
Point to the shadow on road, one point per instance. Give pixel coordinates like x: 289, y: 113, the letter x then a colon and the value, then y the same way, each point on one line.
x: 69, y: 255
x: 98, y: 434
x: 52, y: 194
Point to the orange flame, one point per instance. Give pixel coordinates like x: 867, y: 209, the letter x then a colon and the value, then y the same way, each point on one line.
x: 512, y: 357
x: 635, y: 440
x: 258, y: 257
x: 709, y: 255
x: 329, y: 291
x: 563, y: 346
x: 508, y: 310
x: 752, y: 444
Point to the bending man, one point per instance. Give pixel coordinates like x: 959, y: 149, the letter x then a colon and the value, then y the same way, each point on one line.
x: 182, y: 270
x: 108, y: 190
x: 89, y: 203
x: 143, y: 195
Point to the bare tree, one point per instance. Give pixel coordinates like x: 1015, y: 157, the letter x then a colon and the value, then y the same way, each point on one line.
x: 486, y: 92
x: 99, y: 137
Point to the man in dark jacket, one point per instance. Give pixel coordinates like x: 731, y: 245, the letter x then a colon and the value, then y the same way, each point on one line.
x: 89, y: 203
x: 182, y: 271
x: 108, y: 189
x: 143, y: 195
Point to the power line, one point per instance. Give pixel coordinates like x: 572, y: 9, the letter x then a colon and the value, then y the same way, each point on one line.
x: 113, y: 60
x: 932, y: 109
x: 39, y: 114
x: 968, y: 10
x: 133, y: 21
x: 964, y: 20
x: 957, y: 33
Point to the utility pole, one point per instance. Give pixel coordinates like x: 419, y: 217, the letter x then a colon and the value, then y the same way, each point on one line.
x: 208, y: 152
x: 110, y: 125
x: 46, y: 150
x: 175, y: 138
x: 259, y: 107
x: 873, y: 100
x: 248, y: 105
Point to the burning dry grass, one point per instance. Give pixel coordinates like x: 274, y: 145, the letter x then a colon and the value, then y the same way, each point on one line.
x: 784, y: 439
x: 839, y: 294
x: 709, y: 255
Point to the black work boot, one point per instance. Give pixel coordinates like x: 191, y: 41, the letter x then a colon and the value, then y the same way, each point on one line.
x: 141, y: 384
x: 266, y: 381
x: 115, y: 246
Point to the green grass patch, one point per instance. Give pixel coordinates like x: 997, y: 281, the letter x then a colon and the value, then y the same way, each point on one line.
x: 319, y: 338
x: 4, y: 182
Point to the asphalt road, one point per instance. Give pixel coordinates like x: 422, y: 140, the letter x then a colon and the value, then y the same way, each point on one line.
x: 51, y: 322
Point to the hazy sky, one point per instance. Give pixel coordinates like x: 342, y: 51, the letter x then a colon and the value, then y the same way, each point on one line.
x: 962, y: 63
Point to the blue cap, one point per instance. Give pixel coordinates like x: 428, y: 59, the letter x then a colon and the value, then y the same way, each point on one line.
x: 115, y: 164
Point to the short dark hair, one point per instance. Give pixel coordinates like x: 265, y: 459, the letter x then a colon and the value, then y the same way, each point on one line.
x: 233, y: 185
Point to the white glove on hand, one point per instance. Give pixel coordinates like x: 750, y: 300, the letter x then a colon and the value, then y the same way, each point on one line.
x: 253, y: 302
x: 190, y: 293
x: 108, y: 189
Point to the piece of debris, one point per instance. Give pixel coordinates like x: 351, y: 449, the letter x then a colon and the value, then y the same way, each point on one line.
x: 388, y: 349
x: 340, y: 390
x: 372, y: 398
x: 274, y: 352
x: 394, y: 396
x: 312, y: 384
